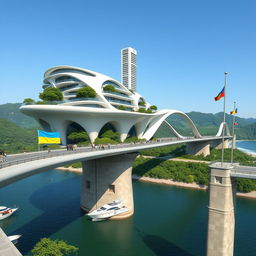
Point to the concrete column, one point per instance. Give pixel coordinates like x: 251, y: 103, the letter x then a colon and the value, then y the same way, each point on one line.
x: 221, y: 211
x: 234, y: 141
x: 217, y: 144
x: 107, y: 179
x: 198, y: 148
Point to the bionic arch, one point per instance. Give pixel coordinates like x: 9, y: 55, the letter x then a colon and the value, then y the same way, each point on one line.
x: 223, y: 126
x: 160, y: 118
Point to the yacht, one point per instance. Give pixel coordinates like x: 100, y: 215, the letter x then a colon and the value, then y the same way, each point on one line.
x: 14, y: 238
x: 108, y: 210
x: 6, y: 212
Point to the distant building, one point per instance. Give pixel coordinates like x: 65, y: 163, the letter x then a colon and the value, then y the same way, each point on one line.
x: 128, y: 65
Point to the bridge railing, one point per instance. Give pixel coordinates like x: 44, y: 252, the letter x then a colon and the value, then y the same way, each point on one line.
x: 56, y: 153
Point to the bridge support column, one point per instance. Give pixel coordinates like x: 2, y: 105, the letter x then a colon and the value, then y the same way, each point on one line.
x: 198, y: 148
x: 218, y: 144
x: 221, y: 211
x: 107, y: 179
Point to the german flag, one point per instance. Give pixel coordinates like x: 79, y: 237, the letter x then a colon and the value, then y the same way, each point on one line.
x: 220, y: 95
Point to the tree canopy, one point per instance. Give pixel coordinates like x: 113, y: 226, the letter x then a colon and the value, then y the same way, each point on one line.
x: 28, y: 101
x: 51, y: 94
x: 86, y: 92
x: 109, y: 88
x: 48, y: 247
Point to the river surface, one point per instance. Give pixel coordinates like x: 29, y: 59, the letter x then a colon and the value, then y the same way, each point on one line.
x: 167, y: 220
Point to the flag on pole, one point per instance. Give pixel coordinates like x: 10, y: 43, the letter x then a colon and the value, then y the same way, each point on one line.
x: 235, y: 123
x: 48, y: 137
x: 233, y: 112
x: 220, y: 95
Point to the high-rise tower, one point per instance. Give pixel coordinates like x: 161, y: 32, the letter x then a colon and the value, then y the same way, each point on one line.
x: 128, y: 63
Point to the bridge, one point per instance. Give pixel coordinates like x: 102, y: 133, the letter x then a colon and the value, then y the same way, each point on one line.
x: 107, y: 176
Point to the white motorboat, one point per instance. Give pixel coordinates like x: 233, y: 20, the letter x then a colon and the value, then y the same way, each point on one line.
x: 108, y: 210
x: 6, y: 212
x: 14, y: 238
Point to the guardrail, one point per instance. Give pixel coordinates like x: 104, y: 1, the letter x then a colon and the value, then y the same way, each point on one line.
x: 57, y: 153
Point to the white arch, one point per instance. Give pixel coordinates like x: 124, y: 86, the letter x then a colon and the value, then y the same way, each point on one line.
x: 173, y: 130
x: 159, y: 119
x: 223, y: 126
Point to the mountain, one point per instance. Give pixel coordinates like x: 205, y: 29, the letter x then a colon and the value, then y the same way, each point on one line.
x: 11, y: 112
x: 16, y: 139
x: 207, y: 123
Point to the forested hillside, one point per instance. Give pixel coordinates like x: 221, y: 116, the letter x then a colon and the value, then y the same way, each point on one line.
x: 16, y: 139
x: 11, y: 112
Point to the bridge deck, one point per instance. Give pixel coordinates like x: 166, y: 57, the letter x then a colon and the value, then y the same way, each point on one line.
x: 244, y: 172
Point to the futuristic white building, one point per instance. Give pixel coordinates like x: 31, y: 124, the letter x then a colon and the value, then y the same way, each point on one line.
x: 93, y: 113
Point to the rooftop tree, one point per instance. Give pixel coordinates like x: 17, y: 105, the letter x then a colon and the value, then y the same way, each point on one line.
x: 51, y: 94
x: 86, y: 92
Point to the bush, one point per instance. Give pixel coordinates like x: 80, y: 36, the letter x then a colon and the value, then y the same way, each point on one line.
x: 142, y: 110
x: 86, y: 92
x: 153, y: 107
x: 111, y: 135
x: 177, y: 171
x: 77, y: 137
x: 141, y: 103
x: 109, y: 88
x: 51, y: 94
x: 104, y: 141
x: 28, y: 101
x: 133, y: 139
x: 121, y: 107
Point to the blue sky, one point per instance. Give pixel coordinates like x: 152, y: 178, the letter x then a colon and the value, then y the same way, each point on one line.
x: 184, y: 47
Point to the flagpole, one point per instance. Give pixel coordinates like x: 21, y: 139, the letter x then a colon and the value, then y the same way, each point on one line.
x: 224, y: 117
x: 233, y: 134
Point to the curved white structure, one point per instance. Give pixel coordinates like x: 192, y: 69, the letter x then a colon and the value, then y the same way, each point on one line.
x: 93, y: 113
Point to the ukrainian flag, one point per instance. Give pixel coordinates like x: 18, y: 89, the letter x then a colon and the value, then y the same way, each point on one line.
x: 48, y: 137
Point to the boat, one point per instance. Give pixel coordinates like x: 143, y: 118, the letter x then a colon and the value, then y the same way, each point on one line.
x: 108, y: 210
x: 14, y: 238
x: 6, y: 212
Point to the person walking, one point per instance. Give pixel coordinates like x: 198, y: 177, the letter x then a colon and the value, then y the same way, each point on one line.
x: 4, y: 157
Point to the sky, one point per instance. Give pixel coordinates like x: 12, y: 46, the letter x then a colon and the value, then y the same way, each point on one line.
x: 184, y: 47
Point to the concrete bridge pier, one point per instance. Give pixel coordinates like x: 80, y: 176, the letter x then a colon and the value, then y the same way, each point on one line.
x: 107, y: 179
x: 198, y: 148
x: 217, y: 144
x: 221, y: 211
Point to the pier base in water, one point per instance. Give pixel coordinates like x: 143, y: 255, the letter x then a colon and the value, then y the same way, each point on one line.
x: 107, y: 179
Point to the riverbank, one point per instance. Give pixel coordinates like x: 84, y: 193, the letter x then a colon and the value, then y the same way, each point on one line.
x: 168, y: 182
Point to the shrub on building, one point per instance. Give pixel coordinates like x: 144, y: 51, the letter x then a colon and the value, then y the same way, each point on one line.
x: 86, y: 92
x: 51, y: 94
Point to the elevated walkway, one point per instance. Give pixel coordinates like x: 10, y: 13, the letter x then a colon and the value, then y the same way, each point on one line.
x: 240, y: 171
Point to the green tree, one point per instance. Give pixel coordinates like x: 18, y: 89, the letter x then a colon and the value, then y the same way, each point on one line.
x: 111, y: 135
x: 77, y: 137
x: 153, y: 107
x: 51, y: 94
x: 142, y: 103
x: 28, y: 101
x: 142, y: 110
x: 86, y: 92
x: 121, y: 107
x: 109, y: 88
x: 48, y: 247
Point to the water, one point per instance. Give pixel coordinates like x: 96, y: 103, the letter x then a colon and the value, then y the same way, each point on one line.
x: 247, y: 146
x: 167, y: 220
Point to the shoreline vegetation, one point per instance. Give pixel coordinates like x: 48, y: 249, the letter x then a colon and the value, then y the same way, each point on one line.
x: 171, y: 166
x: 167, y: 182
